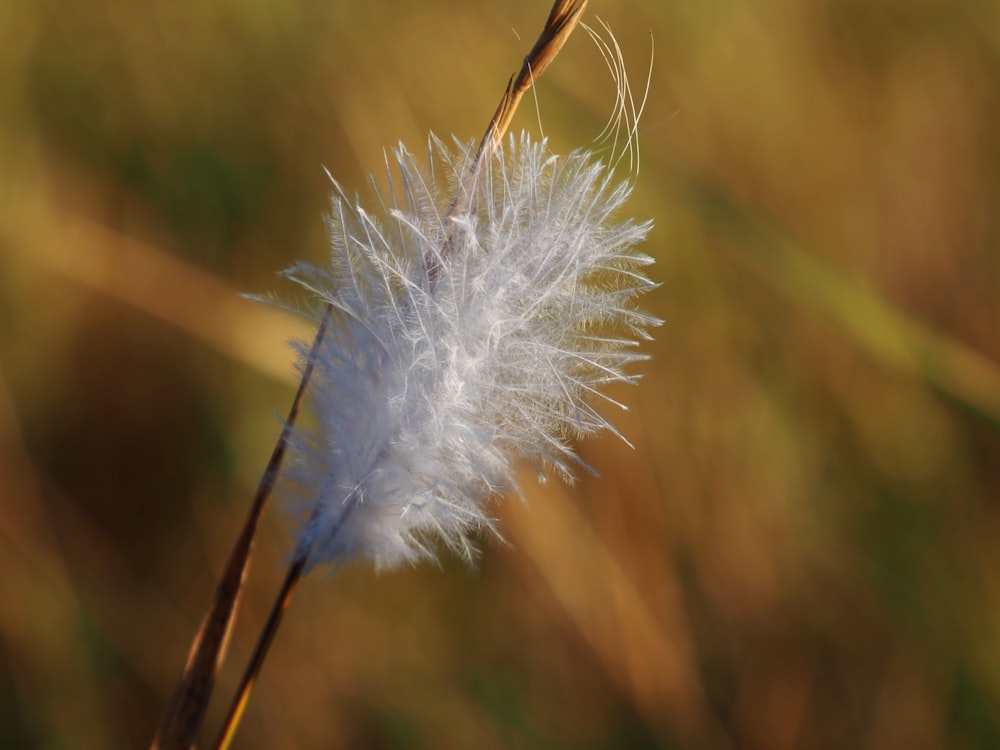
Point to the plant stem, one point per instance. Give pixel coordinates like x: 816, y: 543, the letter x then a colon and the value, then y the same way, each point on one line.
x: 259, y: 653
x: 186, y: 710
x: 563, y: 18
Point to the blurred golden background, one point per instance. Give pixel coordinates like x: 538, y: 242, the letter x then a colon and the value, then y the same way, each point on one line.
x: 802, y: 551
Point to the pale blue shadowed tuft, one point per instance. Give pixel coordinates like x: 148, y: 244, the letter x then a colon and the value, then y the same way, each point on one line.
x: 462, y: 345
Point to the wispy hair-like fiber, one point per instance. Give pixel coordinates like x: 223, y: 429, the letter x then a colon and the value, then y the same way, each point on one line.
x: 462, y: 344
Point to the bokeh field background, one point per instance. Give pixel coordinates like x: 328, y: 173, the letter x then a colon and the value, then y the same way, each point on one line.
x: 802, y: 551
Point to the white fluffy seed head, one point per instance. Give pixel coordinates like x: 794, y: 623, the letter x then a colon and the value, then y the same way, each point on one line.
x: 462, y: 345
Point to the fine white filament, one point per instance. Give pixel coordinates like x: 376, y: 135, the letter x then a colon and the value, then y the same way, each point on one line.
x: 462, y: 344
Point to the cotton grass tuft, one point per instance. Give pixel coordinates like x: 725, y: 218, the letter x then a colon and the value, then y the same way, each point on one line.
x: 462, y: 344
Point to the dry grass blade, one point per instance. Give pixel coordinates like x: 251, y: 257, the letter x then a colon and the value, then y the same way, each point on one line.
x: 886, y: 333
x: 560, y: 24
x: 187, y: 707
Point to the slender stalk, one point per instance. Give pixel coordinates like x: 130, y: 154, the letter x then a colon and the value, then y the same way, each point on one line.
x: 239, y: 703
x: 186, y: 710
x: 562, y: 20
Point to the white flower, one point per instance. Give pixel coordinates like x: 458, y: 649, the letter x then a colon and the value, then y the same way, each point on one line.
x: 462, y: 343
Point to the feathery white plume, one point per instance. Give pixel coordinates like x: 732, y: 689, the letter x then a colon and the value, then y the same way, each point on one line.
x: 462, y: 342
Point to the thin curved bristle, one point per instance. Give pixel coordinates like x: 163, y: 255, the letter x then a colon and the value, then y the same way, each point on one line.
x: 625, y: 115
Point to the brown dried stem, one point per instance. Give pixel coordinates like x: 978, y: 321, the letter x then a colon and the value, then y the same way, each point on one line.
x: 563, y: 18
x: 239, y: 703
x: 186, y: 710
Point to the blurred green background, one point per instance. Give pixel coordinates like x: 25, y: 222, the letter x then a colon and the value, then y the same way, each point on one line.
x: 803, y: 550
